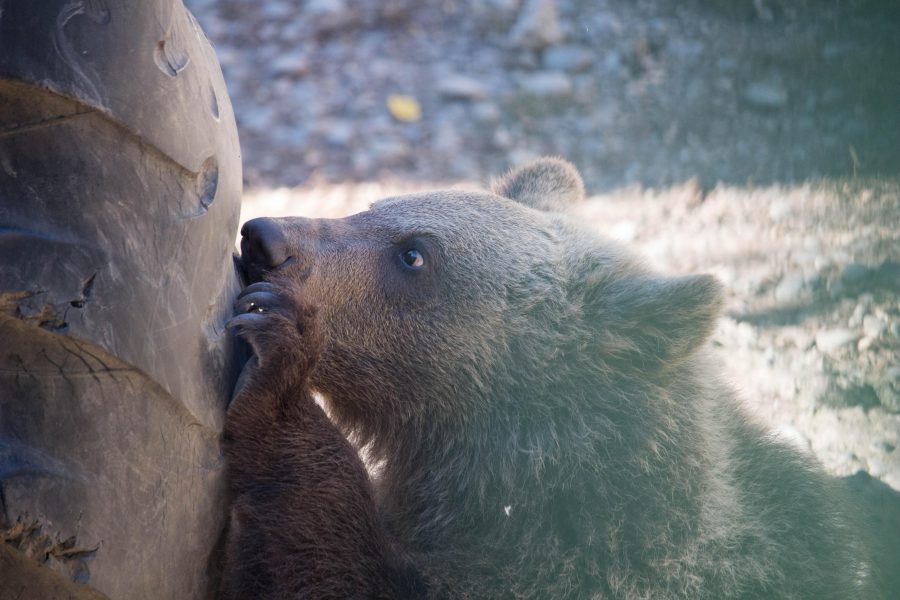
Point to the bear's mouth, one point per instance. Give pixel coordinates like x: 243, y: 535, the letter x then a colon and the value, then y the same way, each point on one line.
x: 250, y: 271
x: 247, y: 273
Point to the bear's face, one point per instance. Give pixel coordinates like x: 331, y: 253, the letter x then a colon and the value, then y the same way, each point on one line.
x: 419, y: 297
x: 436, y: 306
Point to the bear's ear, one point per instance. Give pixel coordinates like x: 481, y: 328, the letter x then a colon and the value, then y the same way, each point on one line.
x: 652, y: 323
x: 550, y: 184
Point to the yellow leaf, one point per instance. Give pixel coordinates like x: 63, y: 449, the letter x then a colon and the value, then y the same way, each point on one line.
x: 404, y: 108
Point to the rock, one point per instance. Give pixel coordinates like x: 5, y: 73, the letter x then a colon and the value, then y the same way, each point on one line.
x: 831, y: 340
x: 276, y: 11
x: 568, y: 58
x: 337, y: 132
x: 864, y: 344
x: 502, y: 139
x: 766, y: 95
x: 790, y: 289
x: 389, y: 151
x: 873, y: 327
x: 546, y: 84
x: 491, y: 13
x: 613, y: 63
x: 460, y: 87
x: 746, y: 335
x: 447, y: 139
x: 486, y: 112
x: 520, y: 156
x: 537, y: 26
x: 877, y: 467
x: 290, y: 64
x: 362, y: 163
x: 856, y: 319
x: 799, y: 337
x: 780, y: 209
x: 328, y: 15
x: 887, y: 389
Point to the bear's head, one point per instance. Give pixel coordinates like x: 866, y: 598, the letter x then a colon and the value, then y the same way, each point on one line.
x: 447, y: 308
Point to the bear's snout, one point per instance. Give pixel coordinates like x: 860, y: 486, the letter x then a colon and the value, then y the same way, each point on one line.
x: 263, y: 247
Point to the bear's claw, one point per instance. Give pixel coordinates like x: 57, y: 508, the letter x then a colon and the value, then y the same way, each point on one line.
x: 270, y: 319
x: 257, y: 302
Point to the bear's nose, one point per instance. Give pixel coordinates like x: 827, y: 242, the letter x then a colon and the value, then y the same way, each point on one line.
x: 263, y: 244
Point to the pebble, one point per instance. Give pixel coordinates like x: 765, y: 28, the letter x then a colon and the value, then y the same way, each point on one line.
x: 502, y: 139
x: 537, y: 26
x: 338, y: 132
x: 486, y: 112
x: 447, y: 139
x: 877, y: 467
x: 568, y: 58
x: 746, y: 334
x: 389, y: 151
x: 546, y: 84
x: 460, y: 87
x: 276, y: 10
x: 887, y: 388
x: 766, y: 95
x: 791, y: 288
x: 290, y: 64
x: 856, y: 318
x: 328, y: 15
x: 892, y: 478
x: 799, y: 337
x: 831, y: 340
x: 780, y: 209
x: 873, y: 327
x: 494, y: 12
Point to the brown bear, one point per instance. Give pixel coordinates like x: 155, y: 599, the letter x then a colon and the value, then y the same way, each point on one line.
x: 536, y: 408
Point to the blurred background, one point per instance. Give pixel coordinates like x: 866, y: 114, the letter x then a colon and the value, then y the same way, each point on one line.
x: 758, y: 140
x: 649, y: 92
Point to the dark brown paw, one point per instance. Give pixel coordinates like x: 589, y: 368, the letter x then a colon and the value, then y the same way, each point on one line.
x: 279, y: 329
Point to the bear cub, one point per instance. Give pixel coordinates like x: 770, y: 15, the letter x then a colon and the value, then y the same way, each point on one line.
x: 535, y: 406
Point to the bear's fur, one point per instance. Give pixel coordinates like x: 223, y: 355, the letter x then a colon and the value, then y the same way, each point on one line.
x: 536, y: 406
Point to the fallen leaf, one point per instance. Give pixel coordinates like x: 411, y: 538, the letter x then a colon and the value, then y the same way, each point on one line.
x: 404, y: 108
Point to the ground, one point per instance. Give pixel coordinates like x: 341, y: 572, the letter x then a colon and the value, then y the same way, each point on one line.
x: 754, y: 140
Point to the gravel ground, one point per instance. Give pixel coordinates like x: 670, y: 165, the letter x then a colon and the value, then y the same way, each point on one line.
x: 754, y: 140
x: 649, y: 92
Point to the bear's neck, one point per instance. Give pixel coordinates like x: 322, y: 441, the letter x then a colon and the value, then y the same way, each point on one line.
x: 523, y: 466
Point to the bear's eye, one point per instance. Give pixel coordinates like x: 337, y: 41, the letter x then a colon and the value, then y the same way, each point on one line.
x: 413, y: 259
